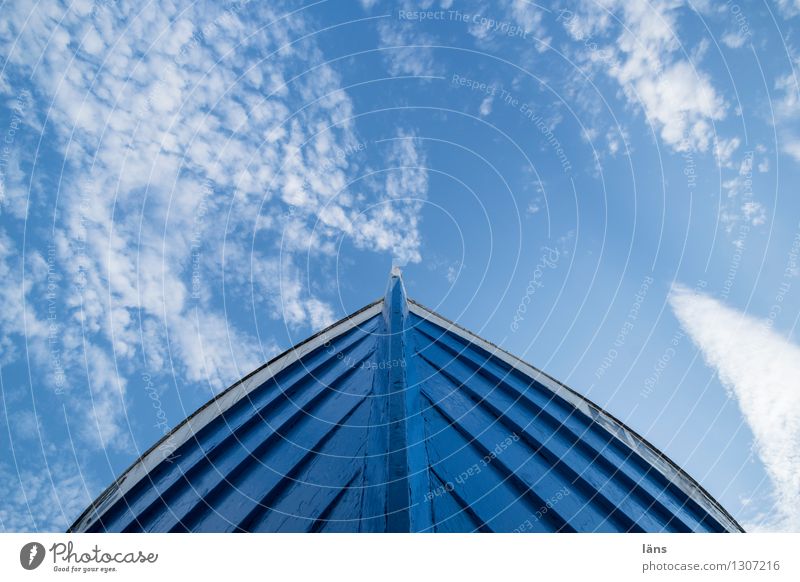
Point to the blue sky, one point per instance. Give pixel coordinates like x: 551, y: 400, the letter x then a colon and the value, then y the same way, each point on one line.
x: 606, y: 188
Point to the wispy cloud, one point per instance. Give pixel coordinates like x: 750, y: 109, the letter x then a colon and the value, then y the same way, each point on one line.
x: 761, y: 369
x: 677, y: 97
x: 47, y: 499
x: 177, y: 126
x: 642, y: 47
x: 740, y: 204
x: 405, y: 49
x: 393, y: 224
x: 787, y: 110
x: 790, y: 8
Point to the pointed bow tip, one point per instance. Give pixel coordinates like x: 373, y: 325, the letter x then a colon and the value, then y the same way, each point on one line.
x: 395, y: 295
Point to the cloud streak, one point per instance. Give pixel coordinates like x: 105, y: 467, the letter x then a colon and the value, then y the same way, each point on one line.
x: 761, y: 369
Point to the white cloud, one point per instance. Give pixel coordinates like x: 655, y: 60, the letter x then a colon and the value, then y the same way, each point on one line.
x: 791, y: 147
x: 17, y: 318
x: 760, y: 368
x: 13, y: 187
x: 213, y: 351
x: 103, y: 419
x: 681, y: 101
x: 486, y: 106
x: 404, y: 45
x: 674, y: 94
x: 393, y: 223
x: 520, y: 21
x: 638, y: 44
x: 734, y: 40
x: 452, y: 274
x: 787, y: 110
x: 405, y: 49
x: 724, y: 150
x: 754, y: 212
x: 739, y: 203
x: 281, y: 286
x: 789, y: 8
x: 185, y: 129
x: 528, y: 15
x: 44, y: 500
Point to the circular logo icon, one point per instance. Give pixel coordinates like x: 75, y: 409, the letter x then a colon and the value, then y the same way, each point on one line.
x: 31, y: 555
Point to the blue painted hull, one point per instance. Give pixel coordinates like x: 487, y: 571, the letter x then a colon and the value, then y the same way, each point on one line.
x: 395, y: 419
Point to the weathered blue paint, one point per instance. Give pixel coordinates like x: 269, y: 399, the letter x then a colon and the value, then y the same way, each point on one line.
x: 396, y: 419
x: 398, y: 500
